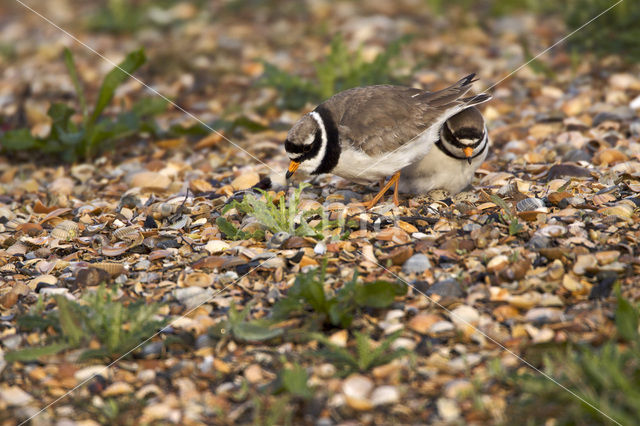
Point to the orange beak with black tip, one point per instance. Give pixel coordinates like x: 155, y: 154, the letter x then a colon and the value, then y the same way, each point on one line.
x: 293, y: 166
x: 468, y: 152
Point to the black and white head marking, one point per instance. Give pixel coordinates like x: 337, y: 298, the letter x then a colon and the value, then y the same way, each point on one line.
x: 319, y: 150
x: 453, y: 143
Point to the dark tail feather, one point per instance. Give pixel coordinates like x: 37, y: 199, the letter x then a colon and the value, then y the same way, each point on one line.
x: 477, y: 99
x: 450, y: 94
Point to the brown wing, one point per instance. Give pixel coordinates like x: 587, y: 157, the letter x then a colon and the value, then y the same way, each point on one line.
x: 379, y: 119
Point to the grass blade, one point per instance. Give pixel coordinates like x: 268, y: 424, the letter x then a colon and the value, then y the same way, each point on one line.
x: 75, y: 79
x: 115, y: 78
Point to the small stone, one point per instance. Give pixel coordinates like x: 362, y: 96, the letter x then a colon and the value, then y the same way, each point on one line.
x: 465, y: 315
x: 87, y: 372
x: 446, y: 290
x: 422, y: 323
x: 448, y: 409
x: 555, y: 197
x: 543, y: 315
x: 62, y: 186
x: 320, y: 249
x: 14, y: 396
x: 416, y: 264
x: 245, y: 181
x: 585, y: 263
x: 497, y: 263
x: 326, y: 370
x: 278, y: 240
x: 441, y: 327
x: 216, y: 246
x: 384, y: 395
x: 117, y: 388
x: 150, y: 180
x: 610, y: 156
x: 567, y: 170
x: 339, y: 338
x: 253, y: 373
x: 458, y: 388
x: 356, y: 389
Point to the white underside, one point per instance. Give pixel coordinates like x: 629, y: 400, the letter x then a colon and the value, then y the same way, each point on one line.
x: 436, y: 170
x: 359, y: 167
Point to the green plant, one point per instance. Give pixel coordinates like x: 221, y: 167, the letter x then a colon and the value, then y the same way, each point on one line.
x: 243, y: 330
x: 338, y: 308
x: 283, y: 217
x: 293, y: 381
x: 116, y: 326
x: 72, y: 141
x: 235, y: 234
x: 507, y: 216
x: 340, y: 70
x: 616, y: 31
x: 365, y: 354
x: 607, y: 377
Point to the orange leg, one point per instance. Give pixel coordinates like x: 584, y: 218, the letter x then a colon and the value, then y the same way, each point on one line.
x: 396, y: 201
x: 394, y: 180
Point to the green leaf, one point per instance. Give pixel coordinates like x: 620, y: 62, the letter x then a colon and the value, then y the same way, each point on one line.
x: 69, y: 321
x: 500, y: 203
x: 226, y: 227
x: 115, y: 78
x: 149, y: 106
x: 60, y: 115
x: 255, y: 332
x: 626, y: 319
x: 31, y: 354
x: 378, y: 294
x: 75, y: 79
x: 17, y: 140
x: 295, y: 380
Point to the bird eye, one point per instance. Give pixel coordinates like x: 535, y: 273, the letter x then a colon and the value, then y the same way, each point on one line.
x: 306, y: 148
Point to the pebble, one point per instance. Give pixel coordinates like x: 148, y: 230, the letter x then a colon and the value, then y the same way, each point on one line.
x: 253, y: 373
x: 422, y: 323
x: 320, y: 248
x: 464, y: 315
x: 193, y: 296
x: 245, y: 181
x: 278, y: 240
x: 416, y: 264
x: 497, y: 263
x: 356, y: 389
x: 447, y: 289
x: 585, y: 263
x: 13, y: 395
x: 87, y: 372
x: 441, y: 327
x: 448, y: 409
x: 384, y: 395
x: 543, y: 315
x: 117, y: 388
x: 216, y: 246
x: 150, y: 180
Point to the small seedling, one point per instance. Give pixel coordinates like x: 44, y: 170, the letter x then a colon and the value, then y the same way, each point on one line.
x: 337, y: 308
x: 242, y: 330
x: 365, y: 356
x: 116, y: 326
x: 281, y: 217
x: 507, y: 216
